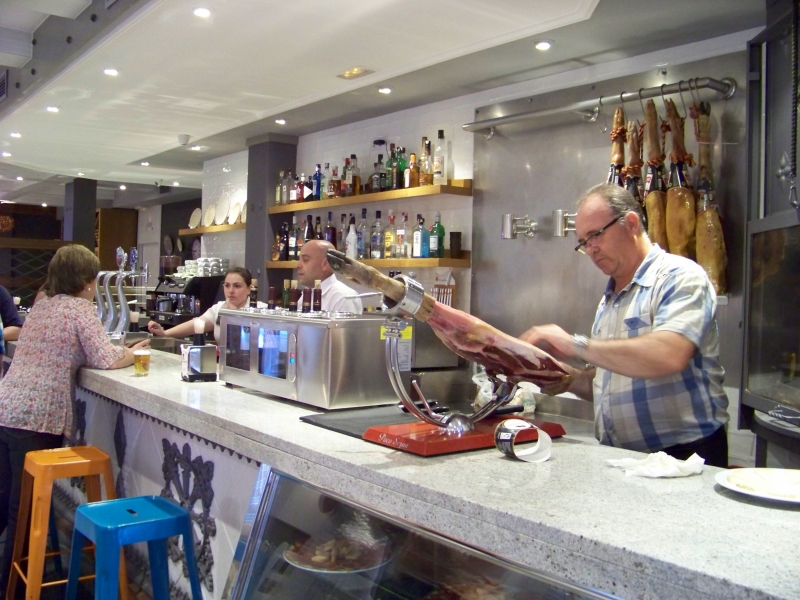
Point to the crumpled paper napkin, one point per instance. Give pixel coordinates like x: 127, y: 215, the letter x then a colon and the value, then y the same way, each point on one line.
x: 660, y: 464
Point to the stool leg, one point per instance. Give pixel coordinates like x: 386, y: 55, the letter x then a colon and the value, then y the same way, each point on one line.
x: 159, y: 571
x: 37, y: 542
x: 111, y: 494
x: 26, y: 492
x: 93, y: 493
x: 191, y: 560
x: 78, y: 540
x: 53, y: 531
x: 106, y: 584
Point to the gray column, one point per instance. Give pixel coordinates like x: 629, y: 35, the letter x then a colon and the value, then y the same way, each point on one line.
x: 268, y: 154
x: 80, y: 204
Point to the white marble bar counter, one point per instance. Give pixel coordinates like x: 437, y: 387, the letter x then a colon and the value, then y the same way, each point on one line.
x: 572, y: 516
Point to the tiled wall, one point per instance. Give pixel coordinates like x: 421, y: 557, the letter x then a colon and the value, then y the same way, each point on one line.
x: 225, y: 182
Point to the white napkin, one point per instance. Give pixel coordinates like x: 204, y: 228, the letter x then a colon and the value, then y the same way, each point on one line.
x: 660, y: 464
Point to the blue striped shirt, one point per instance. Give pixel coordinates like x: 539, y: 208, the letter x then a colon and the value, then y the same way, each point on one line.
x: 667, y: 293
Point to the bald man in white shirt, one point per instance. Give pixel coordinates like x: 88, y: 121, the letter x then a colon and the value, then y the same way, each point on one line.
x: 313, y: 265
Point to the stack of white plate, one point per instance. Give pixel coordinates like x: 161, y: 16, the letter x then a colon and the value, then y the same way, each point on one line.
x: 216, y: 266
x: 211, y: 265
x: 190, y: 268
x: 203, y: 267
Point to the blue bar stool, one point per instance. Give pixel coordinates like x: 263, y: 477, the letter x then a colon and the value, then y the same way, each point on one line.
x: 116, y: 523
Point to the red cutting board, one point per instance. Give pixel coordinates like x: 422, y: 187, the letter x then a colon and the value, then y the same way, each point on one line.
x: 424, y: 439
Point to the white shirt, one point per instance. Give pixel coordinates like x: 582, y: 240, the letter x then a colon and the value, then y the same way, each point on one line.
x: 212, y: 314
x: 334, y: 296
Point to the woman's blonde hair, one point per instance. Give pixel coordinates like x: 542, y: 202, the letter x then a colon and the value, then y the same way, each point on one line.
x: 70, y: 270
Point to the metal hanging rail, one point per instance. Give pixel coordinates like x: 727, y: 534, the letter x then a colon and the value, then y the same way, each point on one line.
x: 591, y: 109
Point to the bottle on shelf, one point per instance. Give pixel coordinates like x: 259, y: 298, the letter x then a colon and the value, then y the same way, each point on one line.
x: 309, y: 233
x: 286, y: 188
x: 329, y: 235
x: 316, y: 183
x: 363, y: 236
x: 422, y: 147
x: 376, y: 238
x: 375, y: 178
x: 426, y: 166
x: 341, y: 234
x: 402, y: 163
x: 401, y: 239
x: 318, y: 229
x: 308, y: 190
x: 381, y: 175
x: 390, y: 238
x: 301, y: 238
x: 390, y: 165
x: 323, y: 184
x: 276, y: 247
x: 285, y: 294
x: 422, y: 240
x: 398, y: 169
x: 297, y: 196
x: 441, y: 159
x: 355, y: 175
x: 437, y: 237
x: 412, y: 173
x: 292, y: 238
x: 351, y: 240
x: 347, y: 182
x: 332, y: 185
x: 285, y: 241
x: 279, y: 189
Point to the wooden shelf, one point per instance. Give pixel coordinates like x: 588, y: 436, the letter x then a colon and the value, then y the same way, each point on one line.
x: 457, y: 187
x: 395, y: 263
x: 212, y: 229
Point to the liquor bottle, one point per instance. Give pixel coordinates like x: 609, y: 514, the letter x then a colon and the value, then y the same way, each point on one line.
x: 351, y: 241
x: 301, y: 240
x: 400, y: 238
x: 437, y: 237
x: 390, y: 167
x: 441, y: 158
x: 375, y: 178
x: 329, y: 235
x: 292, y: 238
x: 286, y: 189
x: 426, y: 166
x: 316, y: 183
x: 422, y: 147
x: 276, y: 247
x: 279, y: 188
x: 363, y: 236
x: 398, y: 170
x: 308, y: 190
x: 402, y: 163
x: 323, y: 183
x: 355, y: 175
x: 381, y: 174
x: 285, y: 241
x: 285, y: 294
x: 376, y: 239
x: 422, y: 240
x: 318, y: 229
x: 347, y: 183
x: 341, y: 234
x: 390, y: 238
x: 299, y: 184
x: 334, y: 185
x: 412, y: 173
x: 309, y: 233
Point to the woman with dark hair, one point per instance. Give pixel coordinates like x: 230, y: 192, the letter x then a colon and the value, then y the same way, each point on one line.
x: 61, y: 334
x: 237, y: 295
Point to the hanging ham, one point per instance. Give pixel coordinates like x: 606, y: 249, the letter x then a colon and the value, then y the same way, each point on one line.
x: 633, y: 172
x: 615, y: 171
x: 655, y: 191
x: 681, y: 214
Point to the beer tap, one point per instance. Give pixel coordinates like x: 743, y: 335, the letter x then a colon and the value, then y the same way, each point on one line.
x: 124, y: 310
x: 111, y: 309
x: 98, y: 297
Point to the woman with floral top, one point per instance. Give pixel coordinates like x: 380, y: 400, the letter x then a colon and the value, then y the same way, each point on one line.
x: 62, y: 333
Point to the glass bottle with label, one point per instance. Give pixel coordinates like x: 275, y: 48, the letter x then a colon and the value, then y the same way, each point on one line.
x: 308, y: 190
x: 355, y: 175
x: 318, y: 228
x: 437, y: 238
x: 309, y: 233
x: 299, y: 185
x: 278, y: 189
x: 441, y: 158
x: 292, y: 237
x: 399, y: 169
x: 316, y: 183
x: 363, y: 236
x: 426, y: 166
x: 285, y: 241
x: 376, y: 240
x: 390, y: 168
x: 422, y: 239
x: 323, y: 182
x: 334, y: 185
x: 412, y: 173
x: 401, y: 240
x: 375, y: 180
x: 390, y: 238
x: 301, y: 238
x: 287, y: 195
x: 329, y: 235
x: 347, y: 181
x: 341, y: 234
x: 351, y: 240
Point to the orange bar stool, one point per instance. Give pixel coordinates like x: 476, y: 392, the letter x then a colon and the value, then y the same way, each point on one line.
x: 42, y: 467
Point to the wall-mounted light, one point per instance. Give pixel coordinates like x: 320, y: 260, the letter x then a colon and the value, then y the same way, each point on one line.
x: 563, y: 222
x: 512, y: 226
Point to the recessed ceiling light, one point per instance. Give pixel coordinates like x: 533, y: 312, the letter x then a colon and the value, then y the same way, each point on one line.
x: 19, y: 178
x: 6, y: 154
x: 280, y: 121
x: 355, y: 72
x: 16, y: 135
x: 175, y: 183
x: 203, y: 13
x: 543, y: 45
x: 145, y: 163
x: 661, y: 65
x: 80, y: 174
x: 385, y: 90
x: 52, y: 109
x: 44, y: 204
x: 111, y: 72
x: 196, y: 148
x: 122, y: 187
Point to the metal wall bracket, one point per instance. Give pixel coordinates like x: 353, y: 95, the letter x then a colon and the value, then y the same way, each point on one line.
x: 512, y: 226
x: 563, y: 222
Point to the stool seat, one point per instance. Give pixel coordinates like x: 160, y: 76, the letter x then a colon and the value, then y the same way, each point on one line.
x: 116, y: 523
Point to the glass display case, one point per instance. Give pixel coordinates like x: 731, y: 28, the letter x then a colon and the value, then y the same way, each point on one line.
x: 300, y: 542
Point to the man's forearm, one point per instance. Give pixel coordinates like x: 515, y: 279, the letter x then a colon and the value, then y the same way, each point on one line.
x: 652, y: 355
x: 582, y: 382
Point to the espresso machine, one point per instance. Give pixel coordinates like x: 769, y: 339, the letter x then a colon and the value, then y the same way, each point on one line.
x: 181, y: 299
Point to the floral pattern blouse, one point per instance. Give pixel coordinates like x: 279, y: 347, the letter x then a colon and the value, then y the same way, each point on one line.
x: 60, y: 335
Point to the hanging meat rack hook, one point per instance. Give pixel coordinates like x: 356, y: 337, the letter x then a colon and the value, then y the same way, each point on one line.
x: 640, y: 101
x: 694, y: 92
x: 683, y: 102
x: 663, y: 100
x: 604, y: 128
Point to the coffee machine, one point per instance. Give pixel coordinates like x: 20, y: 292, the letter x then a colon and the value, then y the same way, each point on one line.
x: 181, y: 299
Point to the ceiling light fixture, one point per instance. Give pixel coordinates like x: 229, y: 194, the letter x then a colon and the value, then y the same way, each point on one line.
x: 175, y: 183
x: 19, y: 178
x: 280, y: 121
x: 52, y: 109
x: 16, y: 135
x: 355, y: 72
x: 122, y: 187
x: 80, y: 174
x: 6, y: 154
x: 196, y: 148
x: 543, y: 45
x: 145, y: 163
x: 203, y: 13
x: 44, y: 204
x: 111, y: 72
x: 385, y: 90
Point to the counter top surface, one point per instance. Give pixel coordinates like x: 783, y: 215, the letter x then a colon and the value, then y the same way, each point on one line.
x: 572, y: 516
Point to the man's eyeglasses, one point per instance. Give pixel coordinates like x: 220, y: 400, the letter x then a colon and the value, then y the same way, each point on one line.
x: 581, y: 247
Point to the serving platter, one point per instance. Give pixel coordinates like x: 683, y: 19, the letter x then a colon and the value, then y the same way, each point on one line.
x: 223, y: 205
x: 782, y: 485
x: 208, y: 217
x: 233, y: 214
x: 194, y: 220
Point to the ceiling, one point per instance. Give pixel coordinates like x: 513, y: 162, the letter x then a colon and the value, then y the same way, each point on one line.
x: 226, y: 78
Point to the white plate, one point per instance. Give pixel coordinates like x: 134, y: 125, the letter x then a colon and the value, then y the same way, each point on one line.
x: 168, y: 245
x: 208, y: 218
x: 194, y: 220
x: 297, y: 565
x: 223, y: 204
x: 233, y: 214
x: 771, y: 484
x: 178, y: 245
x: 243, y: 216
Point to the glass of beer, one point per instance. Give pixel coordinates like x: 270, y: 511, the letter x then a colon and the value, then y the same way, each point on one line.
x: 141, y: 362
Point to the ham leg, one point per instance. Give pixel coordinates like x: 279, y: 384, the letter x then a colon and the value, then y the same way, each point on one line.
x: 655, y: 193
x: 467, y: 336
x: 681, y: 215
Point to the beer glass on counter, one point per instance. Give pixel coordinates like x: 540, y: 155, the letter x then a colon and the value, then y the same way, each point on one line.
x: 141, y: 362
